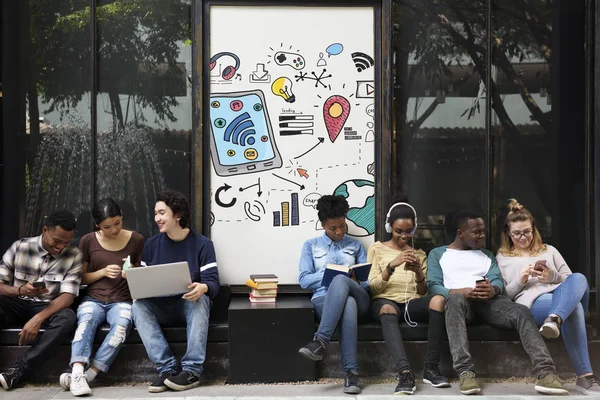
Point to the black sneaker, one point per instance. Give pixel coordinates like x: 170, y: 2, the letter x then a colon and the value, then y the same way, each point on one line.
x: 406, y: 384
x: 11, y: 376
x: 313, y: 350
x: 158, y: 386
x: 434, y: 377
x: 183, y: 381
x: 351, y: 385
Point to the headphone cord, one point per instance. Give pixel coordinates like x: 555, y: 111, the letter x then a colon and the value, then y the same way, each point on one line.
x: 407, y: 319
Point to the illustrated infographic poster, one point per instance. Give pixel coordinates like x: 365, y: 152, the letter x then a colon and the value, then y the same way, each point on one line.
x: 291, y: 119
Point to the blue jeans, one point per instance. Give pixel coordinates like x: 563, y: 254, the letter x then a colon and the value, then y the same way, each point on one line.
x: 150, y: 314
x: 570, y: 302
x: 90, y: 315
x: 343, y: 304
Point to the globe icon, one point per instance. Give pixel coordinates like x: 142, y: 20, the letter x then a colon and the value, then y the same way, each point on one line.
x: 360, y: 194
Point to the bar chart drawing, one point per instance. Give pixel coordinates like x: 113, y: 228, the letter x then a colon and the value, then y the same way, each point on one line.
x: 283, y: 218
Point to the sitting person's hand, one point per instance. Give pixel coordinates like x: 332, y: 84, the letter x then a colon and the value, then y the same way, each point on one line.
x: 543, y: 275
x: 407, y: 257
x: 198, y: 289
x: 484, y: 290
x: 112, y: 271
x: 526, y: 273
x: 30, y: 331
x: 28, y: 290
x: 466, y: 292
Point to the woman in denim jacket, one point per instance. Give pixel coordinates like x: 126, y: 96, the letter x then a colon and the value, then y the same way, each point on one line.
x: 345, y: 300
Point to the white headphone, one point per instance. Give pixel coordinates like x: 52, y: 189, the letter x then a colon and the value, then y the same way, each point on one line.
x: 388, y: 226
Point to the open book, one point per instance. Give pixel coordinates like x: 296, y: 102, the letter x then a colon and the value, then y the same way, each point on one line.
x: 361, y: 272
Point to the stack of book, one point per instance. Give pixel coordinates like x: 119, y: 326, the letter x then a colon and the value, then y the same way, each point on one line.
x: 264, y: 288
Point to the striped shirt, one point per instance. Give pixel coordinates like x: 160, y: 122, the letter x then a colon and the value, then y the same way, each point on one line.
x: 27, y: 260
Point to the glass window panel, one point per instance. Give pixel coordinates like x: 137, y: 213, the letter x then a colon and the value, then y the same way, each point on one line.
x: 144, y: 104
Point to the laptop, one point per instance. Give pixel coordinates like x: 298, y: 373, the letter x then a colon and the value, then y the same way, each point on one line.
x: 159, y: 280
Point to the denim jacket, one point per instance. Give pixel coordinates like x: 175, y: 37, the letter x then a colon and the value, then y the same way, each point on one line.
x: 320, y: 251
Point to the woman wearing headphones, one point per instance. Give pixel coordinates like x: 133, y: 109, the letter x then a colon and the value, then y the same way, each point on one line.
x: 398, y: 287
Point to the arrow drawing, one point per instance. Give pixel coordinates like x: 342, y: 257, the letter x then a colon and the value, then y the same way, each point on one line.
x: 321, y: 140
x: 302, y: 172
x: 297, y: 184
x: 256, y: 184
x: 224, y: 188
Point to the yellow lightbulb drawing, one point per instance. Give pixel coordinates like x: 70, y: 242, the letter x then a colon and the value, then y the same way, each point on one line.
x: 283, y: 87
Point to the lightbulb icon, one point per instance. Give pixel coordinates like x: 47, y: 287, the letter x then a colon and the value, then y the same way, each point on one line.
x: 283, y: 87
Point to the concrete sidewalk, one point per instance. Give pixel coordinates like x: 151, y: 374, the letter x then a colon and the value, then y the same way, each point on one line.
x: 315, y: 391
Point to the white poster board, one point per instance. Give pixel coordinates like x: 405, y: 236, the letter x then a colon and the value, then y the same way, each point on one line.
x: 291, y: 119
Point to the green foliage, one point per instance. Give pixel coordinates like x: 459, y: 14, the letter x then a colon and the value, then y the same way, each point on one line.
x: 138, y: 45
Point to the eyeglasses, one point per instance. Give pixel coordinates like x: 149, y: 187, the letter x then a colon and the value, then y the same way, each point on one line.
x: 408, y: 232
x: 519, y: 235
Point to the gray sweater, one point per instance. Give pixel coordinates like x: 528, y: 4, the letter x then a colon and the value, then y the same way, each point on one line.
x: 527, y: 293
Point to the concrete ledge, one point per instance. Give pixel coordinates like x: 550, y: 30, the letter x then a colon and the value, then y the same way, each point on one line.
x: 493, y: 359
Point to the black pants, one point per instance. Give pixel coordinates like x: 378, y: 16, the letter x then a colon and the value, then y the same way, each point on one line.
x: 58, y: 328
x: 418, y: 311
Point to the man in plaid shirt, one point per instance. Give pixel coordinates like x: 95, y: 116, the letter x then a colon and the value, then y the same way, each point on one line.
x: 39, y: 279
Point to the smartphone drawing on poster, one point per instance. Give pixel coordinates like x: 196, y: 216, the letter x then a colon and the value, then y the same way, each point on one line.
x: 241, y: 140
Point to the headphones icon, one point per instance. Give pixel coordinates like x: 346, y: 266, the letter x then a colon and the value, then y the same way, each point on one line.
x: 388, y: 226
x: 229, y: 71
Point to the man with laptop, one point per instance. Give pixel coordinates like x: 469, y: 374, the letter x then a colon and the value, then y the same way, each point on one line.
x: 176, y: 243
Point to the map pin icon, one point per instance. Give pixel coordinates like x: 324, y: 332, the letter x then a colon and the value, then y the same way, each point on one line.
x: 335, y: 113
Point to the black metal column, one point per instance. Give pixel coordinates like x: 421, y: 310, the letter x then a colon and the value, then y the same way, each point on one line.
x: 12, y: 169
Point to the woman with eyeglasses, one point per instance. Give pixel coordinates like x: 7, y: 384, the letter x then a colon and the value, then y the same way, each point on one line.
x: 398, y: 287
x: 538, y: 277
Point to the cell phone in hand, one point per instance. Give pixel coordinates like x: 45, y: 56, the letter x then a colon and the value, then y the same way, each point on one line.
x: 480, y: 280
x: 39, y: 284
x: 539, y: 265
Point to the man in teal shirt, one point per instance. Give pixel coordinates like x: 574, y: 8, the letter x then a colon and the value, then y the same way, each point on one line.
x: 469, y: 277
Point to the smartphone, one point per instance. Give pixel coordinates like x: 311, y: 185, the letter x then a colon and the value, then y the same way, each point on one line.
x: 480, y: 280
x: 539, y: 265
x: 39, y: 284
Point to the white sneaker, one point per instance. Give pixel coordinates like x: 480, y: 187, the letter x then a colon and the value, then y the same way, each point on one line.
x: 79, y: 385
x: 551, y: 328
x: 65, y: 380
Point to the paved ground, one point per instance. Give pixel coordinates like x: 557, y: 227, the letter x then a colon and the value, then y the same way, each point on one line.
x: 313, y: 391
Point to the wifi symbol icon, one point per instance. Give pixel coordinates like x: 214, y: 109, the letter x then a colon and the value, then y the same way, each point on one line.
x: 239, y: 130
x: 362, y: 61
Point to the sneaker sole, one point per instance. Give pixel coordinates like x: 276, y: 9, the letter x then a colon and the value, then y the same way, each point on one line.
x: 62, y: 381
x: 4, y: 383
x: 311, y: 356
x: 437, y: 385
x: 586, y: 391
x: 471, y: 391
x: 549, y: 332
x: 180, y: 388
x: 82, y: 393
x: 352, y: 390
x: 406, y: 391
x: 157, y: 389
x: 546, y: 390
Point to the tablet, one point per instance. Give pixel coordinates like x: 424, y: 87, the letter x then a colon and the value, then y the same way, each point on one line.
x: 159, y: 280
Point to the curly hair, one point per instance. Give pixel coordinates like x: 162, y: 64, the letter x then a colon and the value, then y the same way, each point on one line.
x: 63, y: 218
x: 178, y: 203
x: 518, y: 213
x: 463, y: 217
x: 330, y: 206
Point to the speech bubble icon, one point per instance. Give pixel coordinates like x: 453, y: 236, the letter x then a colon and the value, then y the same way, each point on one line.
x: 311, y: 200
x: 370, y: 110
x: 334, y: 49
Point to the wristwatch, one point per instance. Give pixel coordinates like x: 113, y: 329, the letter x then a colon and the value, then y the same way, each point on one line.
x: 389, y: 270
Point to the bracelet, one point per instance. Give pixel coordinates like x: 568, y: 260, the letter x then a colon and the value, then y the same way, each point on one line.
x: 19, y: 291
x: 389, y: 270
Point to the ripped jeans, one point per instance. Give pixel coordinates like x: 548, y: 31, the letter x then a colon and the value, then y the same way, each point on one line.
x: 90, y: 315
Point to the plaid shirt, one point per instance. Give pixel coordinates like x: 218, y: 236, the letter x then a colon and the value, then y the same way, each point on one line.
x: 27, y: 260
